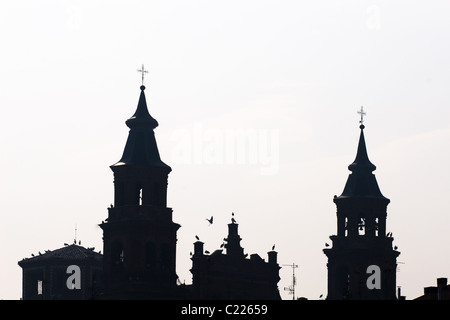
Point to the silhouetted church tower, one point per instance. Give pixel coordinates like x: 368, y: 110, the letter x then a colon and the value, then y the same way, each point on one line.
x: 361, y: 240
x: 139, y: 235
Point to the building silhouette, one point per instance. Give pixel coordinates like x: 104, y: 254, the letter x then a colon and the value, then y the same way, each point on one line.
x: 140, y: 239
x: 45, y: 276
x: 362, y: 250
x: 440, y: 292
x: 231, y: 275
x: 139, y: 242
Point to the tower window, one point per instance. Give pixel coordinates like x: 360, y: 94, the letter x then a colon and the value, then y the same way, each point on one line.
x: 137, y: 195
x: 117, y: 256
x: 346, y: 226
x: 39, y: 287
x: 362, y: 226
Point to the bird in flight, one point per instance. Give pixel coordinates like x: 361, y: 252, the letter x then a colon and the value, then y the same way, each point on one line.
x: 210, y: 220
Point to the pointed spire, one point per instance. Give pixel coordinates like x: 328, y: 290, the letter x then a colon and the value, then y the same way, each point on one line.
x: 141, y: 147
x: 142, y: 117
x: 362, y: 182
x: 362, y: 161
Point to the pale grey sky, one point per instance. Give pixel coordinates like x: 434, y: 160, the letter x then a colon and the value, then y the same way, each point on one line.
x: 287, y: 75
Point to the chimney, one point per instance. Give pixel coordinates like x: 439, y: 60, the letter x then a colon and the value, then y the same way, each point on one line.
x: 198, y: 248
x: 272, y: 257
x: 441, y: 284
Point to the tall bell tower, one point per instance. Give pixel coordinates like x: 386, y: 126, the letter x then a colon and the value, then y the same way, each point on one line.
x: 361, y: 262
x: 139, y: 235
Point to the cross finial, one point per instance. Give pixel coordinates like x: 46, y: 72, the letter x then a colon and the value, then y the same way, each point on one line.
x: 142, y: 71
x: 362, y: 113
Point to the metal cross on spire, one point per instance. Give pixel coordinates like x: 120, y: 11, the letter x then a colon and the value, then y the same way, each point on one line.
x: 142, y: 71
x: 362, y: 113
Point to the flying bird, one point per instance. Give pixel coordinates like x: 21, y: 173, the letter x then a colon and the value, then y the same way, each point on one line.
x: 210, y: 220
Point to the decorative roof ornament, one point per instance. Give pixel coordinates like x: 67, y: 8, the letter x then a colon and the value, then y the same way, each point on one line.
x: 362, y: 113
x: 142, y: 71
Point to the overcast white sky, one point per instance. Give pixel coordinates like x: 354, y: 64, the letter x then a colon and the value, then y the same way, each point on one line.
x: 289, y: 75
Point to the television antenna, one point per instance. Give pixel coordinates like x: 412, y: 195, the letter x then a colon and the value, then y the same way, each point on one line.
x: 291, y: 288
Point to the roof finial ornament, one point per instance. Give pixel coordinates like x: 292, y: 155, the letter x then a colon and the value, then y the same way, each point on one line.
x: 142, y: 71
x: 362, y: 113
x: 75, y: 239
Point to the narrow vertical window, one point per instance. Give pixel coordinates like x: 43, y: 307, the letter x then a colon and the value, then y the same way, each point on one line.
x: 39, y: 287
x: 346, y: 226
x: 361, y: 226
